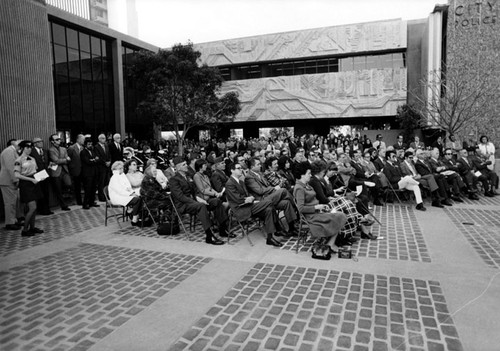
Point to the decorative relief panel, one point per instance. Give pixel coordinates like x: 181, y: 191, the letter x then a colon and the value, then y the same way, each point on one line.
x: 376, y: 92
x: 361, y: 37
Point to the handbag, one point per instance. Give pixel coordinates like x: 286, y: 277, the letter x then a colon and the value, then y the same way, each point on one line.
x: 321, y: 251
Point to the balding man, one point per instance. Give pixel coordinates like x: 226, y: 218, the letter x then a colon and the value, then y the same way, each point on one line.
x: 116, y: 149
x: 9, y: 183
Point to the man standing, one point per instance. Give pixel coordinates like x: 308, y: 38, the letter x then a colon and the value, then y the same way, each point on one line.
x: 9, y: 183
x: 101, y: 150
x: 39, y: 154
x: 75, y: 167
x: 89, y: 174
x: 116, y: 149
x: 58, y: 169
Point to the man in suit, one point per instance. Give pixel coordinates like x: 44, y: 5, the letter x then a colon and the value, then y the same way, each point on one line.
x: 101, y: 150
x: 170, y: 171
x: 185, y: 202
x: 116, y: 149
x: 466, y: 170
x: 281, y: 199
x: 365, y: 177
x: 75, y: 167
x: 399, y: 144
x: 219, y: 177
x: 378, y: 159
x: 89, y: 174
x: 417, y: 144
x: 245, y: 206
x: 379, y: 144
x: 450, y: 175
x: 39, y: 154
x: 422, y: 172
x: 397, y: 180
x: 488, y: 178
x: 58, y: 169
x: 9, y: 184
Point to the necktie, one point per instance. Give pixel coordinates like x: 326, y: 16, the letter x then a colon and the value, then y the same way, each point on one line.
x: 41, y: 155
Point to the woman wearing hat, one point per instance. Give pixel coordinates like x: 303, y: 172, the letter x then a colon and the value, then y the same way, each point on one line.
x: 29, y: 189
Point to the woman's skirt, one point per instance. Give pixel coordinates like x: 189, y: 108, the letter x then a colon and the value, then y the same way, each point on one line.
x: 28, y: 191
x: 345, y: 206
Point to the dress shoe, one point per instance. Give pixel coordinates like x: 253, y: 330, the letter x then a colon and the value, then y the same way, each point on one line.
x: 36, y: 230
x: 86, y: 207
x: 273, y: 242
x: 66, y: 208
x: 457, y: 198
x: 489, y: 194
x: 12, y: 227
x: 473, y: 197
x: 95, y: 205
x: 136, y: 224
x: 421, y: 207
x: 446, y: 202
x: 377, y: 202
x: 437, y: 203
x: 46, y: 213
x: 27, y: 233
x: 369, y: 236
x: 352, y: 239
x: 213, y: 240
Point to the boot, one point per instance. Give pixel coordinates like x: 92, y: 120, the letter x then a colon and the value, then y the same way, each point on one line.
x: 436, y: 202
x: 223, y: 232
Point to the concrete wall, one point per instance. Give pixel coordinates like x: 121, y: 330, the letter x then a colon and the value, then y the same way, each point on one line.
x: 26, y: 88
x: 416, y: 32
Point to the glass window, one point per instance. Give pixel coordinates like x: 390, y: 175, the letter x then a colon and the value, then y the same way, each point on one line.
x: 333, y: 65
x: 60, y: 54
x: 397, y: 61
x: 72, y: 36
x: 346, y: 64
x: 385, y: 61
x: 372, y: 62
x: 322, y: 66
x: 298, y: 67
x: 84, y: 42
x: 58, y: 34
x: 96, y: 45
x: 287, y: 68
x: 310, y: 67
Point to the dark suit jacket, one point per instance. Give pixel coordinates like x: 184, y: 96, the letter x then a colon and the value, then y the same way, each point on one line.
x: 379, y: 164
x: 40, y: 164
x: 397, y: 146
x: 182, y: 191
x: 89, y: 163
x: 423, y: 168
x: 258, y: 186
x: 464, y: 167
x: 219, y: 180
x: 393, y: 174
x: 320, y: 189
x: 115, y: 154
x: 75, y: 165
x: 451, y: 165
x: 236, y: 194
x: 104, y: 155
x: 360, y: 173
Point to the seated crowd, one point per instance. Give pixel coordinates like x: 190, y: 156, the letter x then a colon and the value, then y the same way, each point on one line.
x: 329, y: 183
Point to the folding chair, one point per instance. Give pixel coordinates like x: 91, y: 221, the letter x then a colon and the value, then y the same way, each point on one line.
x: 174, y: 210
x: 112, y: 208
x: 303, y: 231
x: 244, y: 226
x: 390, y: 189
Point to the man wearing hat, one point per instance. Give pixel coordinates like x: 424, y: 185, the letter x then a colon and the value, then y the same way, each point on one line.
x: 42, y: 162
x: 185, y: 202
x: 219, y: 177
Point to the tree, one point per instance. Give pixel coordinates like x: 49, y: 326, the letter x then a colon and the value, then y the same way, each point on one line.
x: 179, y: 93
x: 409, y: 119
x: 458, y: 98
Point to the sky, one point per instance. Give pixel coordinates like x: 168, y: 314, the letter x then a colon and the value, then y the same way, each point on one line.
x: 167, y: 22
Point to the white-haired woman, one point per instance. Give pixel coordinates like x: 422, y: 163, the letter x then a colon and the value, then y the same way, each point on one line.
x: 121, y: 192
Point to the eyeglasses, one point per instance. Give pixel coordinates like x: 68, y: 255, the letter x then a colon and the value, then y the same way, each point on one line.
x: 448, y: 153
x: 237, y: 167
x: 58, y: 139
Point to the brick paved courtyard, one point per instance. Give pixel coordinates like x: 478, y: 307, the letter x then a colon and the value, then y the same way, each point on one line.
x: 431, y: 283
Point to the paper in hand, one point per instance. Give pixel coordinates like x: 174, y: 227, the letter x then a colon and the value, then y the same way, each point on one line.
x: 42, y: 175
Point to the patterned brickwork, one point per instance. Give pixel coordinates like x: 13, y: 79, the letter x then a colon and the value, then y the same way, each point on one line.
x: 73, y: 299
x: 277, y: 307
x: 482, y: 229
x: 402, y: 237
x: 55, y: 226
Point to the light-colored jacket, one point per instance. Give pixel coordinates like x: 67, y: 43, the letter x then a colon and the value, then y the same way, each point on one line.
x: 120, y: 190
x: 7, y: 159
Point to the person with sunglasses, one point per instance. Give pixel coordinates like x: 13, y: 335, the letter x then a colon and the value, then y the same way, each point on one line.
x: 29, y: 190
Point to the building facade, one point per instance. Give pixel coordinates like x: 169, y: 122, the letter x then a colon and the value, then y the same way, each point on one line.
x: 351, y: 74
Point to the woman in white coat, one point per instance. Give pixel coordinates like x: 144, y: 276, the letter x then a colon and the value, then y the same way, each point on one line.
x: 122, y: 194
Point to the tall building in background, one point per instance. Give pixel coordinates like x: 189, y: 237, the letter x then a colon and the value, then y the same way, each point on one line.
x: 92, y: 10
x: 122, y: 16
